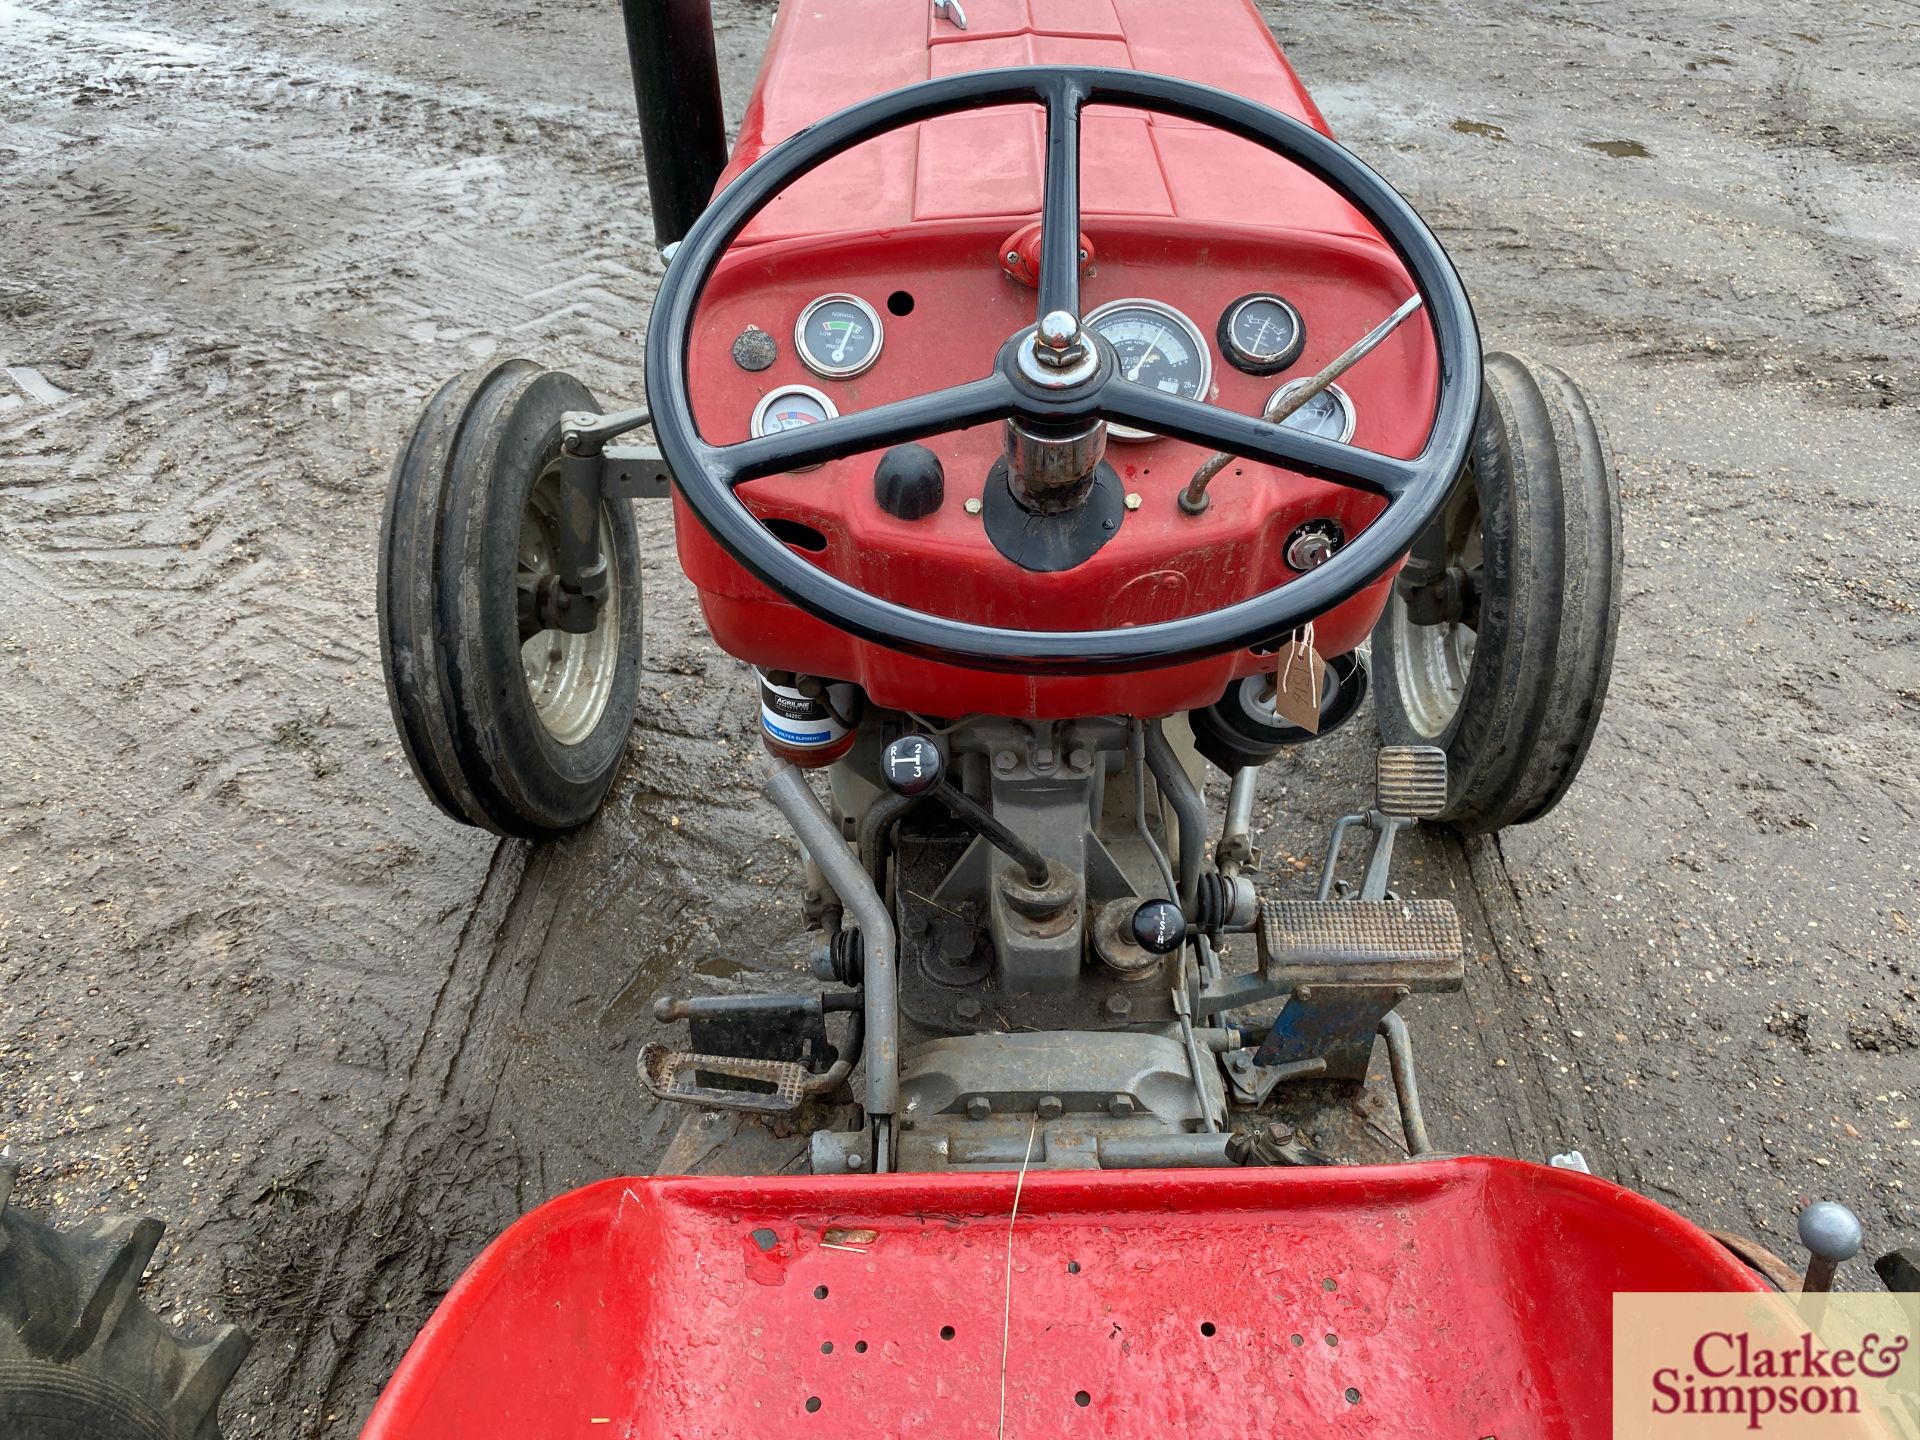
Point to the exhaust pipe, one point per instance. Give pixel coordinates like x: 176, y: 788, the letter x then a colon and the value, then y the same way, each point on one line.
x: 676, y: 84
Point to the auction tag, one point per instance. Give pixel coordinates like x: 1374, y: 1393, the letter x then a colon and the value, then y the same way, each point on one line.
x: 1296, y: 681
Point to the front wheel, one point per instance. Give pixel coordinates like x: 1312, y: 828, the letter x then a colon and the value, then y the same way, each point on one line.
x: 1497, y: 642
x: 508, y: 725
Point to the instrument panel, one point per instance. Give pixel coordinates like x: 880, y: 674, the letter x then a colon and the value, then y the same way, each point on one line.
x: 839, y: 336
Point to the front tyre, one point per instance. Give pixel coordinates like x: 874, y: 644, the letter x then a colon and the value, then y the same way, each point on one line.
x: 1497, y: 642
x: 508, y: 725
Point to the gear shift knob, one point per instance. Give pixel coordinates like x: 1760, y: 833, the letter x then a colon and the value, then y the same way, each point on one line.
x: 912, y: 765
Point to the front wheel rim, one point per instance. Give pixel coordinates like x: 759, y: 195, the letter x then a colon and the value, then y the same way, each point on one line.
x: 569, y: 677
x: 1434, y: 662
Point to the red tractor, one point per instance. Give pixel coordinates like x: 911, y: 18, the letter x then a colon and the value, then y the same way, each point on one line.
x: 1063, y: 415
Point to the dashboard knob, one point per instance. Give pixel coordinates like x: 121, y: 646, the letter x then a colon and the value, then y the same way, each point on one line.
x: 909, y: 483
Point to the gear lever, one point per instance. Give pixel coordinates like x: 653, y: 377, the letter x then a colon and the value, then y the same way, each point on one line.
x: 913, y: 766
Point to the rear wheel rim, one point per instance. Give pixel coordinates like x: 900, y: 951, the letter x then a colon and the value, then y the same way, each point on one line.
x: 569, y: 677
x: 1433, y: 662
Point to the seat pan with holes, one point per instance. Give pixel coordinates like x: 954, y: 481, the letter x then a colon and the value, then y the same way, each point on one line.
x: 1463, y: 1297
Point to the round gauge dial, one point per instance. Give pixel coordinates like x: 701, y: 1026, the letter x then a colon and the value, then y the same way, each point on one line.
x: 1158, y: 346
x: 1261, y: 333
x: 1328, y: 414
x: 788, y: 408
x: 838, y: 336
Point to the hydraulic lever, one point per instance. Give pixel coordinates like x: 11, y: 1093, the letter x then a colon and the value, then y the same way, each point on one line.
x: 913, y: 766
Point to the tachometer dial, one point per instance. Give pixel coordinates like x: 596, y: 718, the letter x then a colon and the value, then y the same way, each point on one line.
x: 1158, y: 346
x: 788, y: 408
x: 1261, y: 333
x: 1328, y: 414
x: 838, y: 336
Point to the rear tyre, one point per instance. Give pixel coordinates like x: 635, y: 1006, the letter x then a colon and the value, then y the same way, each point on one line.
x: 80, y: 1357
x: 508, y: 726
x: 1518, y: 585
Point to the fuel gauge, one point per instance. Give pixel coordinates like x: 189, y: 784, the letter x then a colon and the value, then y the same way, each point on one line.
x: 788, y: 408
x: 838, y: 336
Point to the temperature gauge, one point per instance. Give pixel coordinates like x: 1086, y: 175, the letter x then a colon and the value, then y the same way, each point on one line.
x: 838, y: 336
x: 1328, y: 414
x: 1261, y: 334
x: 790, y: 407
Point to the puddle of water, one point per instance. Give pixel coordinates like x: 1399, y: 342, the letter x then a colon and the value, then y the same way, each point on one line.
x: 1621, y: 149
x: 35, y: 385
x: 1484, y: 128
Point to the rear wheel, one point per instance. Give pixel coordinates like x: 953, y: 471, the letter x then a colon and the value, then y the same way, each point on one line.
x: 80, y: 1357
x: 1497, y: 642
x: 508, y: 724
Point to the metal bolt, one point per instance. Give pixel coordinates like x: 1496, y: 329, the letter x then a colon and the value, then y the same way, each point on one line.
x: 1043, y: 757
x: 1303, y: 994
x: 1079, y: 758
x: 974, y: 505
x: 1057, y: 342
x: 1013, y: 257
x: 1058, y: 329
x: 1050, y: 1107
x: 967, y: 1008
x: 1133, y: 500
x: 856, y: 1161
x: 1238, y: 1062
x: 1004, y: 762
x: 1280, y: 1134
x: 1119, y: 1006
x: 979, y: 1107
x: 1120, y: 1106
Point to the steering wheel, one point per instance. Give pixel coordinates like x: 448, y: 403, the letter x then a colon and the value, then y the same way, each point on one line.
x: 708, y: 475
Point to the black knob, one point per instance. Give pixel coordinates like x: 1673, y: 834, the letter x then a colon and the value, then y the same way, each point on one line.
x: 909, y: 482
x: 911, y: 765
x: 1159, y: 927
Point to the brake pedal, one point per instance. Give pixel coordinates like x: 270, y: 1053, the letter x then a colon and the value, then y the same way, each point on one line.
x: 675, y: 1075
x: 1410, y: 780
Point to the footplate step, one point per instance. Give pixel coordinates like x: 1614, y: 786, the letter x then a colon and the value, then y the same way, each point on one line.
x: 1411, y: 943
x: 676, y: 1075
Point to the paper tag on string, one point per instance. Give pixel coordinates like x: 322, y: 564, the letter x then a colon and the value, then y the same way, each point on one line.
x: 1297, y: 678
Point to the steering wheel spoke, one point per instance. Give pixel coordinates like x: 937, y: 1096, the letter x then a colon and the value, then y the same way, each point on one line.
x: 1060, y: 206
x: 955, y: 408
x: 1252, y: 438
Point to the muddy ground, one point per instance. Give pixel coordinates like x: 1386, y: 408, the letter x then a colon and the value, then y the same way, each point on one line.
x: 252, y: 981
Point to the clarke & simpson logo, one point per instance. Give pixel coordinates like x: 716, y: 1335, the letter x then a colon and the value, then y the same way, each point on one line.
x: 1790, y: 1367
x: 1732, y: 1374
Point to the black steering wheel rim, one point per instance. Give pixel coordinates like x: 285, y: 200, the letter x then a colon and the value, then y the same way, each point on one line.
x: 707, y: 474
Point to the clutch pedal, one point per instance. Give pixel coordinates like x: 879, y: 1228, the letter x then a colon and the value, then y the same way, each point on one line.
x: 780, y: 1086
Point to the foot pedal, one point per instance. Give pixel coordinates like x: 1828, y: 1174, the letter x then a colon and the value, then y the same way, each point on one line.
x: 1411, y: 943
x: 777, y: 1086
x: 1410, y: 780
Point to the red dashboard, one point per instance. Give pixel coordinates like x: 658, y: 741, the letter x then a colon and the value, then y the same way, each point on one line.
x: 917, y: 225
